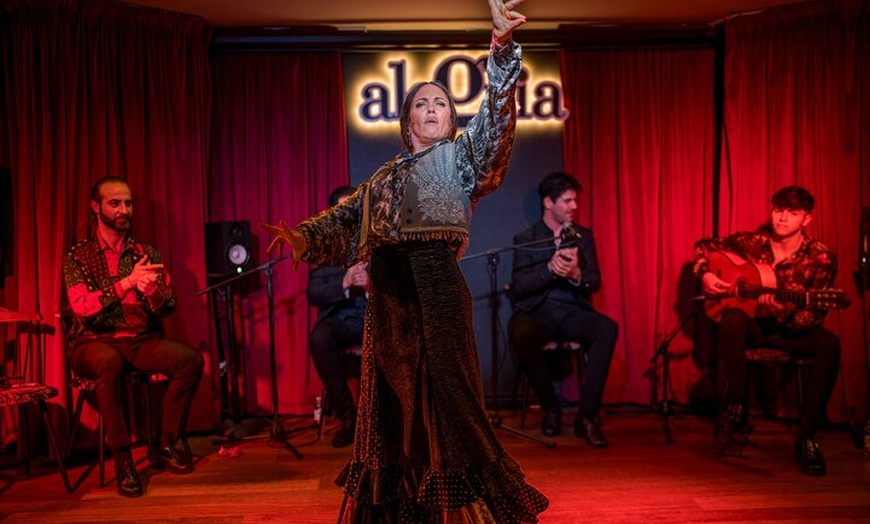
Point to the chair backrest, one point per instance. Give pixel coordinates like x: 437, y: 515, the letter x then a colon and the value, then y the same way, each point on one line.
x: 20, y: 359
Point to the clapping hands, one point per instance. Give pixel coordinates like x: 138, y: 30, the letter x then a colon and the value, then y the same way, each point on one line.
x: 145, y: 277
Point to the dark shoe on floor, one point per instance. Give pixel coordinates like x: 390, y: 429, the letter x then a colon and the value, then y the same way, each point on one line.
x: 734, y: 421
x: 552, y: 423
x: 170, y: 459
x: 129, y: 483
x: 809, y: 457
x: 589, y: 428
x: 345, y: 435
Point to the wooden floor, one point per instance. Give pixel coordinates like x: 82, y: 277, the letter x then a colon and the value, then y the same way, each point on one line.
x: 638, y: 479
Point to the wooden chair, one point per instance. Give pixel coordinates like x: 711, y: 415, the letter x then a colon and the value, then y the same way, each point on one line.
x: 18, y: 388
x: 133, y: 380
x: 576, y: 350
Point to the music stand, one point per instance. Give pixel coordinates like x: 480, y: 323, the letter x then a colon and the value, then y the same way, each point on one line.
x: 493, y: 258
x: 276, y: 432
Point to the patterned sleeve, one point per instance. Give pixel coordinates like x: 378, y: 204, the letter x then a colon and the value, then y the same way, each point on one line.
x: 332, y: 237
x: 484, y: 148
x: 703, y: 248
x: 87, y: 297
x: 824, y: 271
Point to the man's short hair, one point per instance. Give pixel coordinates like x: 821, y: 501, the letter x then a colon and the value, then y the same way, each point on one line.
x: 95, y: 189
x: 794, y: 198
x: 339, y: 192
x: 556, y: 183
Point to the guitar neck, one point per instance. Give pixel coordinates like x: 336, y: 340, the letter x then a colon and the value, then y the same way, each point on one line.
x: 781, y: 295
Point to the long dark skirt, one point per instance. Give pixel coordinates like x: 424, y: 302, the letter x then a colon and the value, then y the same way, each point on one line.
x: 425, y: 451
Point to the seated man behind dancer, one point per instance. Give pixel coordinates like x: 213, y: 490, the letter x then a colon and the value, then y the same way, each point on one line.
x: 552, y: 286
x: 340, y: 296
x: 801, y: 264
x: 118, y: 290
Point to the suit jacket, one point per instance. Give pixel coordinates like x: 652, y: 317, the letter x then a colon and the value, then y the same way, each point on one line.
x: 326, y: 293
x: 532, y: 280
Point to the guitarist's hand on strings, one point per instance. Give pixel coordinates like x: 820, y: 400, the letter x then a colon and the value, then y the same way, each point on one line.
x: 772, y: 306
x: 713, y: 285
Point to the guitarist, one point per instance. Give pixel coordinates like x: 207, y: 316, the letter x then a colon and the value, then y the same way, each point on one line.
x: 801, y: 264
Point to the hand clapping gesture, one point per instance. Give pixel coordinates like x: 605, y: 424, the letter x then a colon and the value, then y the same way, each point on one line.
x: 565, y: 263
x: 356, y: 276
x: 144, y: 276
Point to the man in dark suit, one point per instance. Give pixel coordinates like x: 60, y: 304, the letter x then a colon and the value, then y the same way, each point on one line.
x: 339, y: 295
x: 554, y: 277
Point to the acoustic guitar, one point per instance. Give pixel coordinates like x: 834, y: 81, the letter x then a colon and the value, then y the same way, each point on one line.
x: 750, y: 281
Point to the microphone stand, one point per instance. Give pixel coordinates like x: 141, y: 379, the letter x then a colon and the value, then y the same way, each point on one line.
x: 493, y: 258
x: 276, y: 432
x: 665, y: 406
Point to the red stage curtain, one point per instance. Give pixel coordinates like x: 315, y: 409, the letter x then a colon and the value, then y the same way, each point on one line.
x: 94, y: 88
x: 640, y: 138
x: 279, y: 148
x: 797, y: 111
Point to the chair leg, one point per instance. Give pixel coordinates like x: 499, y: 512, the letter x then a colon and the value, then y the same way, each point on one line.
x: 524, y: 403
x: 52, y: 440
x: 101, y: 434
x: 23, y: 439
x: 153, y: 440
x: 580, y: 369
x: 324, y: 405
x: 76, y: 420
x: 800, y: 386
x: 722, y: 403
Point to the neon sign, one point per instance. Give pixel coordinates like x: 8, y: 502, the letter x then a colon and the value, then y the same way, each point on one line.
x: 374, y: 100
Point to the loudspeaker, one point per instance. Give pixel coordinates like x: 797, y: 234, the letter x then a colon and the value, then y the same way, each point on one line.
x: 228, y: 247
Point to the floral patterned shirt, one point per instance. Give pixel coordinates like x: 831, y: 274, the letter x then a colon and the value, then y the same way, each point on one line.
x: 101, y: 308
x: 813, y: 266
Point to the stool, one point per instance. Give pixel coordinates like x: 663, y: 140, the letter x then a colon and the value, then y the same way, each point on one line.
x: 132, y: 379
x: 768, y: 357
x: 579, y: 353
x: 349, y: 352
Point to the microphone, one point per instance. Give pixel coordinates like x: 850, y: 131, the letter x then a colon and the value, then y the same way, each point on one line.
x: 570, y: 232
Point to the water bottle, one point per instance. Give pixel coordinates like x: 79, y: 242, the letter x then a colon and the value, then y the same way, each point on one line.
x: 318, y: 409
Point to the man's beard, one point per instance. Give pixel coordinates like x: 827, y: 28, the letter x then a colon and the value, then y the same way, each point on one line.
x: 120, y: 224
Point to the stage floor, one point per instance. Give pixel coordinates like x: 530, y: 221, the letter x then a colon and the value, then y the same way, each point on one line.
x: 639, y: 478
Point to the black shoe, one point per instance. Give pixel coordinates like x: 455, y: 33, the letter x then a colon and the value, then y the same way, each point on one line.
x: 809, y: 457
x: 170, y: 459
x: 589, y: 428
x: 734, y: 421
x: 129, y: 483
x: 552, y: 424
x: 345, y: 435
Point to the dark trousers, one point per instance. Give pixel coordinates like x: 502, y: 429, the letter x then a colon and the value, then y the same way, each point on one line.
x: 106, y: 361
x: 530, y: 331
x: 329, y: 337
x: 739, y: 332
